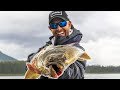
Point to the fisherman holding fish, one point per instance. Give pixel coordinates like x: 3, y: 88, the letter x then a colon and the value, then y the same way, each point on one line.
x: 64, y: 33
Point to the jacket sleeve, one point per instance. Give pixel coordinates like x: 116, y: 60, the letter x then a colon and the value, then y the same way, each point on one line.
x: 74, y: 71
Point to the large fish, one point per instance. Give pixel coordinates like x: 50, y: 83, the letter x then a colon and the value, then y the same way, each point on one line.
x: 52, y: 61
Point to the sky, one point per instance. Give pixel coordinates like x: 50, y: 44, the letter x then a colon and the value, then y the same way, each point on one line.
x: 24, y: 32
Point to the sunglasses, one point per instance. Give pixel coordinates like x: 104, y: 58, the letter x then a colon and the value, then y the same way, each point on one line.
x: 55, y: 25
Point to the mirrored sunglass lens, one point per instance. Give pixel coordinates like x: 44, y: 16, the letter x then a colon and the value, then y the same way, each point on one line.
x: 53, y: 26
x: 63, y: 24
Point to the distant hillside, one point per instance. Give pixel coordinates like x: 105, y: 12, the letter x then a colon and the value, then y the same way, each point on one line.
x: 4, y: 57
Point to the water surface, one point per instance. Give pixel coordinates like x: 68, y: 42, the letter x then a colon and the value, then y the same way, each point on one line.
x: 87, y: 76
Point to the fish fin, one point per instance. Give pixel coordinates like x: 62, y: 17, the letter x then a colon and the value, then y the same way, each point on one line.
x: 29, y: 66
x: 84, y: 56
x: 31, y: 75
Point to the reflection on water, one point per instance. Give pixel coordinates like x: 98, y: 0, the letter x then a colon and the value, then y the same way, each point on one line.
x: 87, y: 76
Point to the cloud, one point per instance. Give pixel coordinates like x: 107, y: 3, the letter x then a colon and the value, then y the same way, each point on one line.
x: 28, y: 28
x: 16, y: 51
x: 104, y: 51
x: 97, y: 24
x: 29, y: 23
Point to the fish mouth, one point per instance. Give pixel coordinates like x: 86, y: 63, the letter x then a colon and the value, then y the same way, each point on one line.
x: 56, y: 70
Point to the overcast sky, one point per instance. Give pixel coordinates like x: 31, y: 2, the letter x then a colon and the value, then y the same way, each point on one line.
x: 23, y: 32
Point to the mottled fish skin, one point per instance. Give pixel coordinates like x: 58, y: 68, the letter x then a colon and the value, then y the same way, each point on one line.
x: 52, y: 61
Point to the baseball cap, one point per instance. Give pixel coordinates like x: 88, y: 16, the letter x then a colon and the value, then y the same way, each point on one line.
x: 60, y: 14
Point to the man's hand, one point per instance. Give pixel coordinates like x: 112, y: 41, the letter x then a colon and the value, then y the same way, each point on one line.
x: 32, y: 67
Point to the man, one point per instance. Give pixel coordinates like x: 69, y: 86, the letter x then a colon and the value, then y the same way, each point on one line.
x: 64, y: 33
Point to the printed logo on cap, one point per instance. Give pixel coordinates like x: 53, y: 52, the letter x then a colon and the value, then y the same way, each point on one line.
x: 55, y: 13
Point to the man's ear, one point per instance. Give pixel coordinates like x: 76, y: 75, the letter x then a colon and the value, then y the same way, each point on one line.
x: 53, y: 31
x: 70, y: 23
x: 50, y: 29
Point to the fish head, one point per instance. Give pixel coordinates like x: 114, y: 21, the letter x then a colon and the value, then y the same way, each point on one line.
x: 32, y: 71
x: 55, y: 63
x: 35, y: 70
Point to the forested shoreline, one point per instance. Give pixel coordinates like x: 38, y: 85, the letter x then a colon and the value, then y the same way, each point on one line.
x: 102, y: 69
x: 19, y: 68
x: 14, y: 67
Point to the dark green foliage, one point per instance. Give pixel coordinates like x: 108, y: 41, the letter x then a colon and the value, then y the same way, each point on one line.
x: 13, y: 67
x: 102, y: 69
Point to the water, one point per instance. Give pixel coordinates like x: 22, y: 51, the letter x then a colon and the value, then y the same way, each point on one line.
x: 11, y: 77
x: 87, y: 76
x: 102, y: 76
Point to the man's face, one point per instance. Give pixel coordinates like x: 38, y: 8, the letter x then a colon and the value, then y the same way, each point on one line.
x: 60, y: 27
